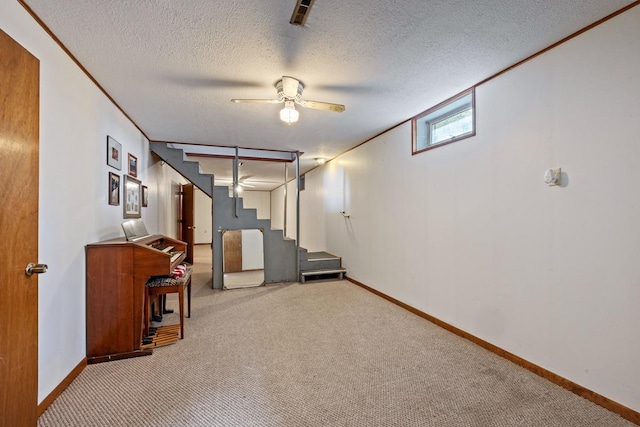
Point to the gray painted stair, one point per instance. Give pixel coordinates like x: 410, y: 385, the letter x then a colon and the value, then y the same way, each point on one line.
x: 279, y: 252
x: 319, y: 265
x: 188, y: 169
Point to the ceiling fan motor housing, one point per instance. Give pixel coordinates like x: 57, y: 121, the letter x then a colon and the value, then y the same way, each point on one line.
x: 292, y: 91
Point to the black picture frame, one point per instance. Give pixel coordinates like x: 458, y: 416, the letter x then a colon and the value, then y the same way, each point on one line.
x: 133, y: 165
x: 114, y: 153
x: 114, y: 189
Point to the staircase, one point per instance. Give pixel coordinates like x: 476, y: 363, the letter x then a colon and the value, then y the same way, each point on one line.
x: 320, y: 265
x: 279, y: 251
x: 188, y: 169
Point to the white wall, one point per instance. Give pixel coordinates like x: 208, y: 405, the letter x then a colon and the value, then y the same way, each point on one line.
x: 75, y: 119
x: 164, y: 194
x: 252, y: 250
x: 277, y: 209
x: 259, y: 200
x: 313, y: 231
x: 277, y: 206
x: 469, y: 232
x: 202, y: 214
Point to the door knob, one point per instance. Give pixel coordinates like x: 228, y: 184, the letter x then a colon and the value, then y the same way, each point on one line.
x: 36, y: 268
x: 191, y: 228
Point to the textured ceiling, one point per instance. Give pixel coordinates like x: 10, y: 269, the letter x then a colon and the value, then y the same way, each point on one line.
x: 173, y: 66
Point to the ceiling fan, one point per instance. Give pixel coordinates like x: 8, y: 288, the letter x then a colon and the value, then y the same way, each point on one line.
x: 289, y: 90
x: 244, y: 181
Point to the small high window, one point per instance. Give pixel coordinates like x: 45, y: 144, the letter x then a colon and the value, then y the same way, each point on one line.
x: 449, y: 121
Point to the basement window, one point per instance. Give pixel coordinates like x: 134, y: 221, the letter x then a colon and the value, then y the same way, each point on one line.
x: 447, y: 122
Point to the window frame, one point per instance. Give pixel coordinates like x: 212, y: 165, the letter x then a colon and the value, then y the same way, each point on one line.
x: 416, y: 121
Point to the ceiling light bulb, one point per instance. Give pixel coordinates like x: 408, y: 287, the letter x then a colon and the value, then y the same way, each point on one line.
x: 321, y: 161
x: 238, y: 189
x: 289, y: 114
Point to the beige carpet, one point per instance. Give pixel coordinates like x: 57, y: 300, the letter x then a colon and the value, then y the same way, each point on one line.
x: 319, y: 354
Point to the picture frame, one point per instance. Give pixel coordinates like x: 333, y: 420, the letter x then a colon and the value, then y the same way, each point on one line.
x: 133, y: 165
x: 114, y: 153
x: 114, y: 189
x: 132, y: 194
x: 145, y: 196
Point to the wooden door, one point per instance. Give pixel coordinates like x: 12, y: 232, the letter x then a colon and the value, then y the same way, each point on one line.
x: 188, y: 220
x: 19, y: 115
x: 232, y: 251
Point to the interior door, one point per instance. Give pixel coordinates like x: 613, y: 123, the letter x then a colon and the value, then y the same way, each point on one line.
x: 232, y: 251
x: 19, y: 127
x: 188, y: 220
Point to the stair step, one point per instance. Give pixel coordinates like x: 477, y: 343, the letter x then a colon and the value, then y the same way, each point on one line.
x: 332, y: 263
x: 320, y: 256
x: 320, y: 261
x: 322, y: 272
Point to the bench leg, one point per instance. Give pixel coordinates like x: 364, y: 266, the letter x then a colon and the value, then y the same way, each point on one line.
x: 147, y: 314
x: 181, y: 304
x: 189, y: 298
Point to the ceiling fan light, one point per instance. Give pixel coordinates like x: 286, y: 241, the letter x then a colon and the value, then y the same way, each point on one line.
x: 289, y: 114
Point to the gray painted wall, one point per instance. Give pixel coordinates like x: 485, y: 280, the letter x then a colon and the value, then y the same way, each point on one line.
x: 279, y: 253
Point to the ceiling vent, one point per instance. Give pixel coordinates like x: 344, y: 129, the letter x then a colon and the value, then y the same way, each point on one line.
x: 301, y: 12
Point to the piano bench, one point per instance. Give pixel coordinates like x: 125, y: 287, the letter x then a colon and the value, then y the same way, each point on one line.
x: 162, y: 285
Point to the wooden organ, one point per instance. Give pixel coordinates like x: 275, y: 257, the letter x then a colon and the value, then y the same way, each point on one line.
x: 117, y: 271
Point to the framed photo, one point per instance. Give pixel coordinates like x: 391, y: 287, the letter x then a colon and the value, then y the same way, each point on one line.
x: 132, y: 194
x: 145, y: 196
x: 114, y: 153
x: 133, y: 165
x: 114, y: 189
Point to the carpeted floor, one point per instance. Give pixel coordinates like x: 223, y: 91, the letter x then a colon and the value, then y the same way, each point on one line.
x: 318, y: 354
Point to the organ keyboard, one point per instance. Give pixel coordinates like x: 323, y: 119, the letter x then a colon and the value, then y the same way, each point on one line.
x: 117, y: 271
x: 176, y: 255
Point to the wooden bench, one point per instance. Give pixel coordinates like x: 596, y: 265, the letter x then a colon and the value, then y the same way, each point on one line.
x: 163, y: 285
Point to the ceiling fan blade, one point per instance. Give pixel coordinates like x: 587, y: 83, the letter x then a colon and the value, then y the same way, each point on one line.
x: 244, y: 184
x: 203, y: 82
x: 326, y: 106
x: 258, y: 101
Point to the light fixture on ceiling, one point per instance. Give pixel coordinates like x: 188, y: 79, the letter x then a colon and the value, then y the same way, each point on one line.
x: 289, y: 114
x: 238, y: 189
x: 321, y: 160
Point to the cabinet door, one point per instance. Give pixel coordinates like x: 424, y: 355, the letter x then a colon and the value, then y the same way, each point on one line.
x: 110, y: 296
